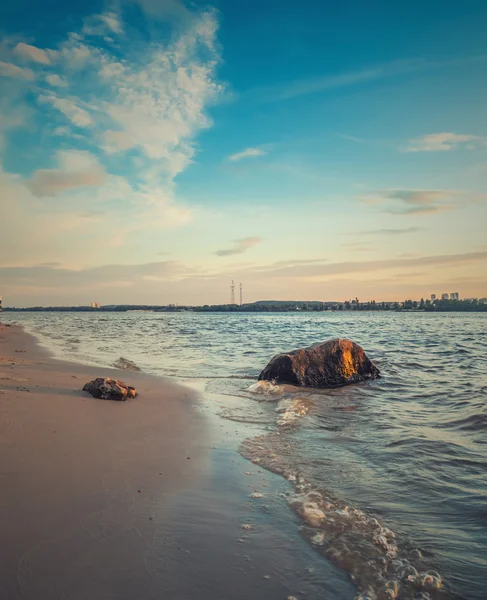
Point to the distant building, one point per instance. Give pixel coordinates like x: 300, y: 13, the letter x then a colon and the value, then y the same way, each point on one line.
x: 454, y: 296
x: 433, y: 297
x: 445, y: 296
x: 95, y: 305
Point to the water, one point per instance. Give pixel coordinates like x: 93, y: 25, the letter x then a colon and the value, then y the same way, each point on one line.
x: 389, y: 477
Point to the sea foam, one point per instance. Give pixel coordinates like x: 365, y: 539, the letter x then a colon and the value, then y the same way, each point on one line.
x: 265, y: 387
x: 381, y: 567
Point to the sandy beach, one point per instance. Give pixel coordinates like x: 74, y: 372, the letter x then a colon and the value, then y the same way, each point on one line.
x: 139, y: 499
x: 78, y: 472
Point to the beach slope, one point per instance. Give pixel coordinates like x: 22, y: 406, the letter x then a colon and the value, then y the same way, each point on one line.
x: 83, y: 479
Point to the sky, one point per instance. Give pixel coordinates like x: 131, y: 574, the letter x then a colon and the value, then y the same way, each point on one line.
x: 152, y: 151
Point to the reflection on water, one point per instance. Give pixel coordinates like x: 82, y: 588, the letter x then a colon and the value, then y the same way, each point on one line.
x: 390, y: 476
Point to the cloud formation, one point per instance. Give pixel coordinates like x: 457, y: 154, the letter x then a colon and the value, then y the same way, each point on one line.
x: 11, y: 70
x: 78, y: 170
x: 56, y: 81
x: 409, y: 202
x: 68, y: 285
x: 103, y: 24
x: 69, y: 108
x: 31, y: 53
x: 135, y: 108
x: 247, y: 153
x: 443, y: 142
x: 390, y: 231
x: 322, y: 269
x: 240, y: 246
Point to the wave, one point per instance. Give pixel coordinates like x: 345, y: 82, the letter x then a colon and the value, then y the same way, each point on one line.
x: 290, y: 410
x: 380, y: 565
x: 476, y: 422
x: 266, y: 388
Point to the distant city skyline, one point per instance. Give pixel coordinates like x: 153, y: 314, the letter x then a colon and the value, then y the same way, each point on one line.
x: 152, y: 152
x: 351, y: 302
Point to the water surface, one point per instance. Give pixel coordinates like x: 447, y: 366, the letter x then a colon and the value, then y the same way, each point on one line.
x: 396, y: 467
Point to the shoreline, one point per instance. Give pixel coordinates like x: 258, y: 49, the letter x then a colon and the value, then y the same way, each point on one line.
x: 65, y: 453
x: 79, y: 527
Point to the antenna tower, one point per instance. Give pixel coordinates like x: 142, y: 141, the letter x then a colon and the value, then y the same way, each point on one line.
x: 232, y: 293
x: 241, y: 295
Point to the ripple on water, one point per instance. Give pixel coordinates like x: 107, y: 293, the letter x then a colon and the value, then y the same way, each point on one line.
x: 380, y: 564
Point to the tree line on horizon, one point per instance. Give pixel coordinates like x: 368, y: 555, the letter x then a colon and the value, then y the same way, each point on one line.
x: 473, y: 305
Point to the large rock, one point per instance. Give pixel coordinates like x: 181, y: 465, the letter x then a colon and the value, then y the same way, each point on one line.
x: 109, y: 389
x: 329, y: 364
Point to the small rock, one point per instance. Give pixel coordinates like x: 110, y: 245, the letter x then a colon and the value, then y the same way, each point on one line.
x: 109, y: 389
x: 126, y: 364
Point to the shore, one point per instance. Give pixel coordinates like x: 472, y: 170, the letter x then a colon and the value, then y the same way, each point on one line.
x: 139, y: 499
x: 76, y: 471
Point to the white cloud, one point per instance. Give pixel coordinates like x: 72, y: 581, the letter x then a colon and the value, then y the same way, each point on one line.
x: 101, y: 25
x: 76, y: 170
x: 31, y: 53
x: 10, y: 70
x: 73, y: 54
x: 92, y: 212
x: 442, y: 142
x: 148, y: 101
x: 112, y: 22
x: 247, y: 153
x: 158, y: 104
x: 52, y: 182
x: 56, y: 81
x: 68, y: 107
x: 117, y: 141
x: 76, y: 160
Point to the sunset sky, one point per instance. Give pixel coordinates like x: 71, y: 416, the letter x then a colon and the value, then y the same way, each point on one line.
x: 152, y: 151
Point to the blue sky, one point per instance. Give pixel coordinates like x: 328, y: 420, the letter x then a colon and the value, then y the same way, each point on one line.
x: 152, y: 151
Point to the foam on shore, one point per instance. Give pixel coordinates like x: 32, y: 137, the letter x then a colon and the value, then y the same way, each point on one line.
x: 380, y: 565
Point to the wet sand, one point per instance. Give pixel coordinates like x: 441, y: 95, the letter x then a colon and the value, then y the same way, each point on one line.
x: 139, y: 499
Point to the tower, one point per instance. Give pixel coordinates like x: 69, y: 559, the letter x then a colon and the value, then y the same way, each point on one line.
x: 232, y: 293
x: 241, y: 294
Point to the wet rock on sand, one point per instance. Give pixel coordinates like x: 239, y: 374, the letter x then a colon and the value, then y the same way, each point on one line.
x: 126, y: 364
x: 329, y: 364
x: 109, y: 389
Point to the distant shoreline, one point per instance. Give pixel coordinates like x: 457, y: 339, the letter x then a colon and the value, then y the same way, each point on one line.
x: 278, y: 307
